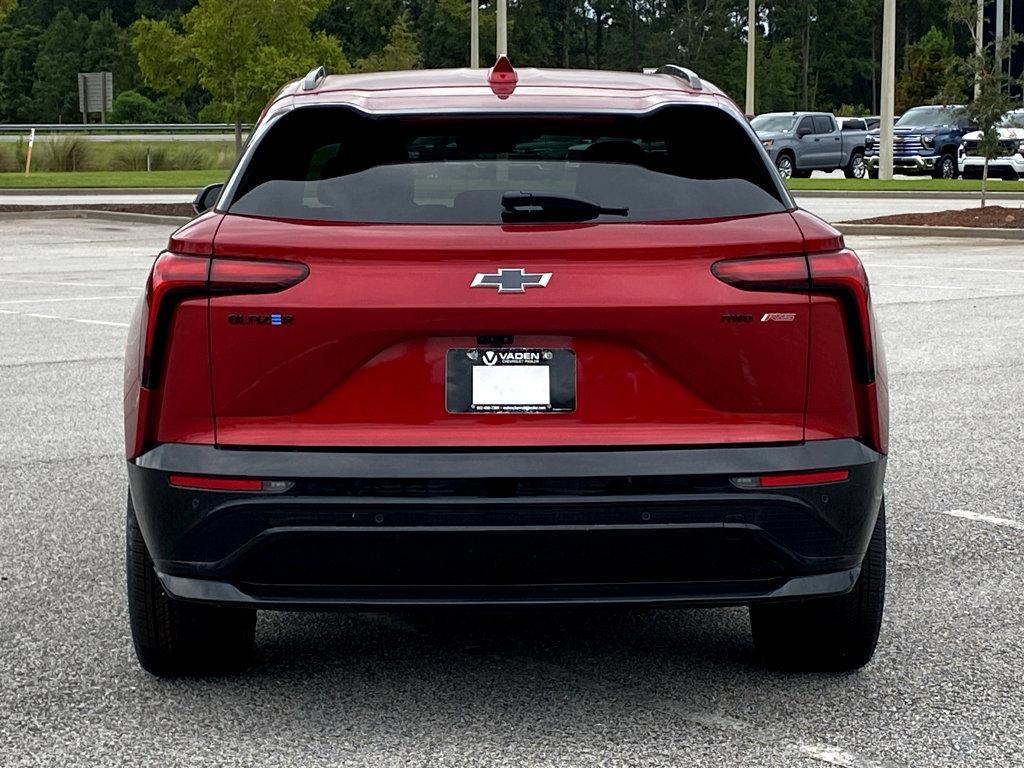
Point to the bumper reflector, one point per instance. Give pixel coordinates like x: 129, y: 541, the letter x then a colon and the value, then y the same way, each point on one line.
x: 227, y: 484
x: 790, y: 479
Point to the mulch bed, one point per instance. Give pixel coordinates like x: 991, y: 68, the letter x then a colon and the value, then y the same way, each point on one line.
x: 163, y: 209
x: 989, y: 216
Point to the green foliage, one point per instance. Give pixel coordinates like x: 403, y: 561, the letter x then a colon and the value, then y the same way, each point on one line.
x: 400, y: 52
x: 991, y: 83
x: 63, y: 153
x: 442, y: 28
x: 530, y: 39
x: 925, y: 70
x: 134, y: 107
x: 6, y: 6
x: 139, y: 157
x: 238, y: 51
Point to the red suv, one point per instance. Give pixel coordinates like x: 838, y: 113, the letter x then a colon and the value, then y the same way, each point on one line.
x: 503, y: 338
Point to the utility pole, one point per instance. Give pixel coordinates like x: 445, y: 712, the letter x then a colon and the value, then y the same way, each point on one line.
x: 751, y: 42
x: 979, y: 44
x: 1000, y: 12
x: 888, y: 88
x: 474, y: 33
x: 502, y: 28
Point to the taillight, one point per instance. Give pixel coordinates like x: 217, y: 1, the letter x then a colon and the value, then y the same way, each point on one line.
x: 839, y: 274
x: 176, y: 278
x: 221, y: 483
x: 782, y: 480
x: 842, y: 275
x: 785, y: 273
x: 245, y: 276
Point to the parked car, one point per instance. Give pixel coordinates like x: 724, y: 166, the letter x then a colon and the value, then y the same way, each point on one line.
x: 801, y: 142
x: 1009, y: 164
x: 411, y: 356
x: 926, y: 140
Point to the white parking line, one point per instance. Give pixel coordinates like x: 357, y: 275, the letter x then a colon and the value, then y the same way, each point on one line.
x: 937, y: 267
x: 62, y: 317
x: 972, y: 516
x: 64, y: 299
x: 929, y: 285
x: 54, y: 283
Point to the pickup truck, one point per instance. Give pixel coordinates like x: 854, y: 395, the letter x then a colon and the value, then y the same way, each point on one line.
x: 801, y: 142
x: 925, y: 140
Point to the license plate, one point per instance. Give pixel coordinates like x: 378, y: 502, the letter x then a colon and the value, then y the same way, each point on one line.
x: 492, y: 379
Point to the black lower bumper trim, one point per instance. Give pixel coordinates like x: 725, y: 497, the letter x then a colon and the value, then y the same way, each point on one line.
x: 369, y: 597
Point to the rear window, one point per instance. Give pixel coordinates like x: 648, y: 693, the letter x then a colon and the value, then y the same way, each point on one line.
x: 336, y: 164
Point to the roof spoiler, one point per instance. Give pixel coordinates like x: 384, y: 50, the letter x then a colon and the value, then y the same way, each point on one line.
x: 686, y: 75
x: 314, y: 78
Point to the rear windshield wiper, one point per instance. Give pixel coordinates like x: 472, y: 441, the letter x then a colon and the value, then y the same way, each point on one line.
x: 533, y: 207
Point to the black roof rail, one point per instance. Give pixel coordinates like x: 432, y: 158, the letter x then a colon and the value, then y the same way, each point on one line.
x: 314, y: 78
x: 688, y: 75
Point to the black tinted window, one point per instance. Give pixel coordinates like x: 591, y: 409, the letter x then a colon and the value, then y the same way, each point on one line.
x: 822, y: 124
x: 340, y: 165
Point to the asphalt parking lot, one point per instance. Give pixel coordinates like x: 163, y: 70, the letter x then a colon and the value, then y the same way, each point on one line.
x: 658, y: 687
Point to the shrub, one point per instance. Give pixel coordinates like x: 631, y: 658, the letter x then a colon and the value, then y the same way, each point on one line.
x: 133, y: 157
x: 8, y: 158
x: 188, y: 159
x: 64, y: 153
x: 134, y: 107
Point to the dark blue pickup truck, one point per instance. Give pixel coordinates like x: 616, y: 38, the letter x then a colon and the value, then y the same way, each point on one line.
x: 925, y: 141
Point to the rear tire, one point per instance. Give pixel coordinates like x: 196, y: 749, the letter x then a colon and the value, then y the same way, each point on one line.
x: 172, y: 637
x: 785, y: 164
x: 838, y: 633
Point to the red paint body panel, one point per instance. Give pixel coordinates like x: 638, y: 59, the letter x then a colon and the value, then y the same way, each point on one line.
x: 363, y: 362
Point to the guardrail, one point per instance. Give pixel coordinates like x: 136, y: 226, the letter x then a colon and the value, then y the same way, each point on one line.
x: 193, y: 128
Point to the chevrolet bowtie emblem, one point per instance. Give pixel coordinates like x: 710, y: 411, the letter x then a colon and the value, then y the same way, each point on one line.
x: 510, y: 280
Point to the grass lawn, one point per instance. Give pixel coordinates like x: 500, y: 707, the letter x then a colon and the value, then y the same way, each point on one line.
x: 909, y: 185
x: 55, y: 179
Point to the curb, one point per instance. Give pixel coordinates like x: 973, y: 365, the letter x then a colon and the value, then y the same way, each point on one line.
x: 30, y: 191
x: 900, y: 194
x: 86, y: 213
x: 922, y: 231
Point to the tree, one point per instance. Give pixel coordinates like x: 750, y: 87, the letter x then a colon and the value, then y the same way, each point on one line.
x: 238, y: 51
x: 6, y: 6
x: 400, y: 52
x: 529, y: 35
x: 925, y: 68
x: 443, y: 27
x: 55, y: 91
x: 983, y: 70
x: 19, y: 47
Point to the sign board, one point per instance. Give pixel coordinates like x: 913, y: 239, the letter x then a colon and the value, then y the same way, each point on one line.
x: 95, y: 92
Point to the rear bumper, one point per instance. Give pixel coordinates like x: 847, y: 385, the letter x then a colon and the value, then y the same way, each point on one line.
x: 365, y: 528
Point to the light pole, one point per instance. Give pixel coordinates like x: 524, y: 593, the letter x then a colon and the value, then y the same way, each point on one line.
x: 502, y: 29
x: 751, y: 41
x: 888, y: 86
x: 474, y: 33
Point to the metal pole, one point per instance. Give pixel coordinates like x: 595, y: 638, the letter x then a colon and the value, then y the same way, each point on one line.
x: 751, y: 42
x: 888, y: 86
x: 474, y: 33
x: 979, y: 44
x: 502, y: 28
x: 1000, y: 12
